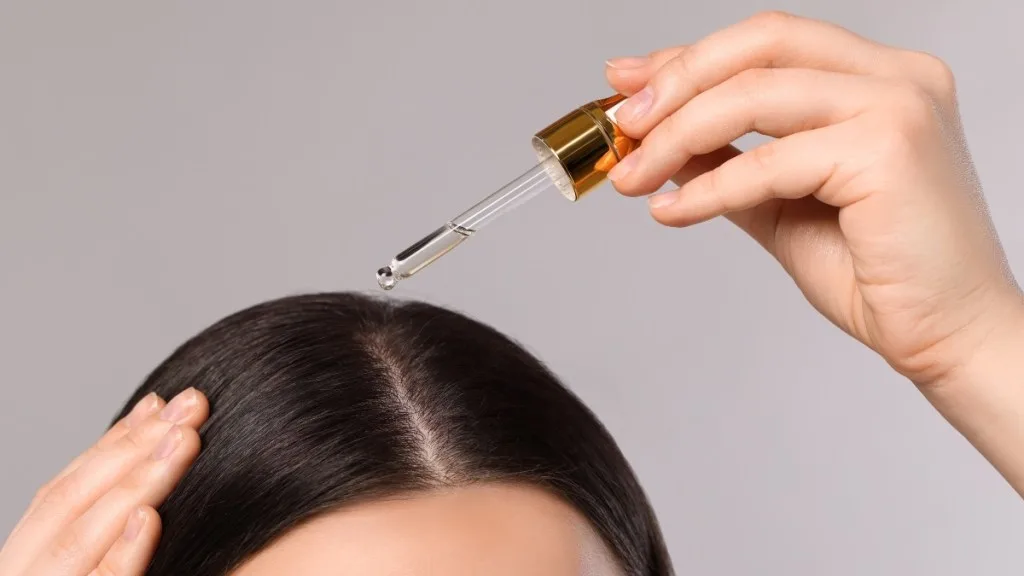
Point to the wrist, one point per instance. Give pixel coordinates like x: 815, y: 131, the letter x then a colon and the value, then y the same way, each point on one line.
x: 995, y: 350
x: 999, y: 347
x: 984, y: 397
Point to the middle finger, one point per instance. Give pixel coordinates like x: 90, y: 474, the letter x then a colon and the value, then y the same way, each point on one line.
x: 771, y: 102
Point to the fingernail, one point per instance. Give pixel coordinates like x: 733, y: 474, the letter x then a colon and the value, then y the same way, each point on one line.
x: 136, y: 522
x: 180, y: 407
x: 630, y: 63
x: 622, y: 169
x: 143, y: 409
x: 168, y: 444
x: 662, y: 199
x: 636, y: 106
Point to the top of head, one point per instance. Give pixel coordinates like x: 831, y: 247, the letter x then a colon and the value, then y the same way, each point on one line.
x: 327, y: 402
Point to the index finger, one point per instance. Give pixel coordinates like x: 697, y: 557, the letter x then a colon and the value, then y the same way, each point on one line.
x: 769, y: 40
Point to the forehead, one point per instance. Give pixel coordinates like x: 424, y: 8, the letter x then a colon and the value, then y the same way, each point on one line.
x: 499, y: 530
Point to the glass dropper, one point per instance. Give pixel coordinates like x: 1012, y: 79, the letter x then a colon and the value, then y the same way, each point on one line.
x: 541, y: 178
x: 575, y: 154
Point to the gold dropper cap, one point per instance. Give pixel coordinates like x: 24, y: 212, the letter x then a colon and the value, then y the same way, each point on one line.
x: 587, y: 143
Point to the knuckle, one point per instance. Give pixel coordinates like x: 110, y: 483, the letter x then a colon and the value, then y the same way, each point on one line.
x: 670, y: 130
x: 132, y: 441
x: 775, y: 20
x: 142, y: 437
x: 66, y: 547
x: 41, y: 493
x: 136, y: 480
x: 913, y: 110
x: 122, y: 426
x: 106, y: 569
x: 719, y: 190
x: 681, y: 63
x: 937, y: 73
x: 753, y: 80
x: 117, y: 431
x: 60, y: 495
x: 711, y: 182
x: 677, y: 72
x: 763, y: 156
x: 713, y: 185
x: 895, y: 144
x: 674, y: 140
x: 771, y: 30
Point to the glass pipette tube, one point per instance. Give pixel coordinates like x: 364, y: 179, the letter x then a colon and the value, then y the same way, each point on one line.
x: 541, y: 178
x: 575, y: 154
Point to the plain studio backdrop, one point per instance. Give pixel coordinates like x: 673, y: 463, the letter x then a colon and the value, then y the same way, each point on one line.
x: 165, y: 164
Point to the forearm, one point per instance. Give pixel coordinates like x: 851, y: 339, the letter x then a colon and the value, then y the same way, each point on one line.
x: 985, y: 402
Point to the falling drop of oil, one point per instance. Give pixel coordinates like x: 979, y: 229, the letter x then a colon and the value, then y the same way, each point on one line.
x: 386, y: 278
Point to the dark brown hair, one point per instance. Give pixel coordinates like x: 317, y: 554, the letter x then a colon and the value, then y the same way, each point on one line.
x: 322, y: 400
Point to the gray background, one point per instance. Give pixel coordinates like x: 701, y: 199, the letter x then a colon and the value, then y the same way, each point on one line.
x: 164, y: 164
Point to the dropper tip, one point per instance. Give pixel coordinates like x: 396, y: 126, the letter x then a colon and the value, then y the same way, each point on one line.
x: 386, y: 278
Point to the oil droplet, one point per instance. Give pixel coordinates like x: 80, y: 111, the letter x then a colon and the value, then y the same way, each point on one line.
x: 386, y: 278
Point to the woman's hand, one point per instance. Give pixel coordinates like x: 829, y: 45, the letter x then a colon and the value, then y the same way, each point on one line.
x: 98, y: 517
x: 867, y: 196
